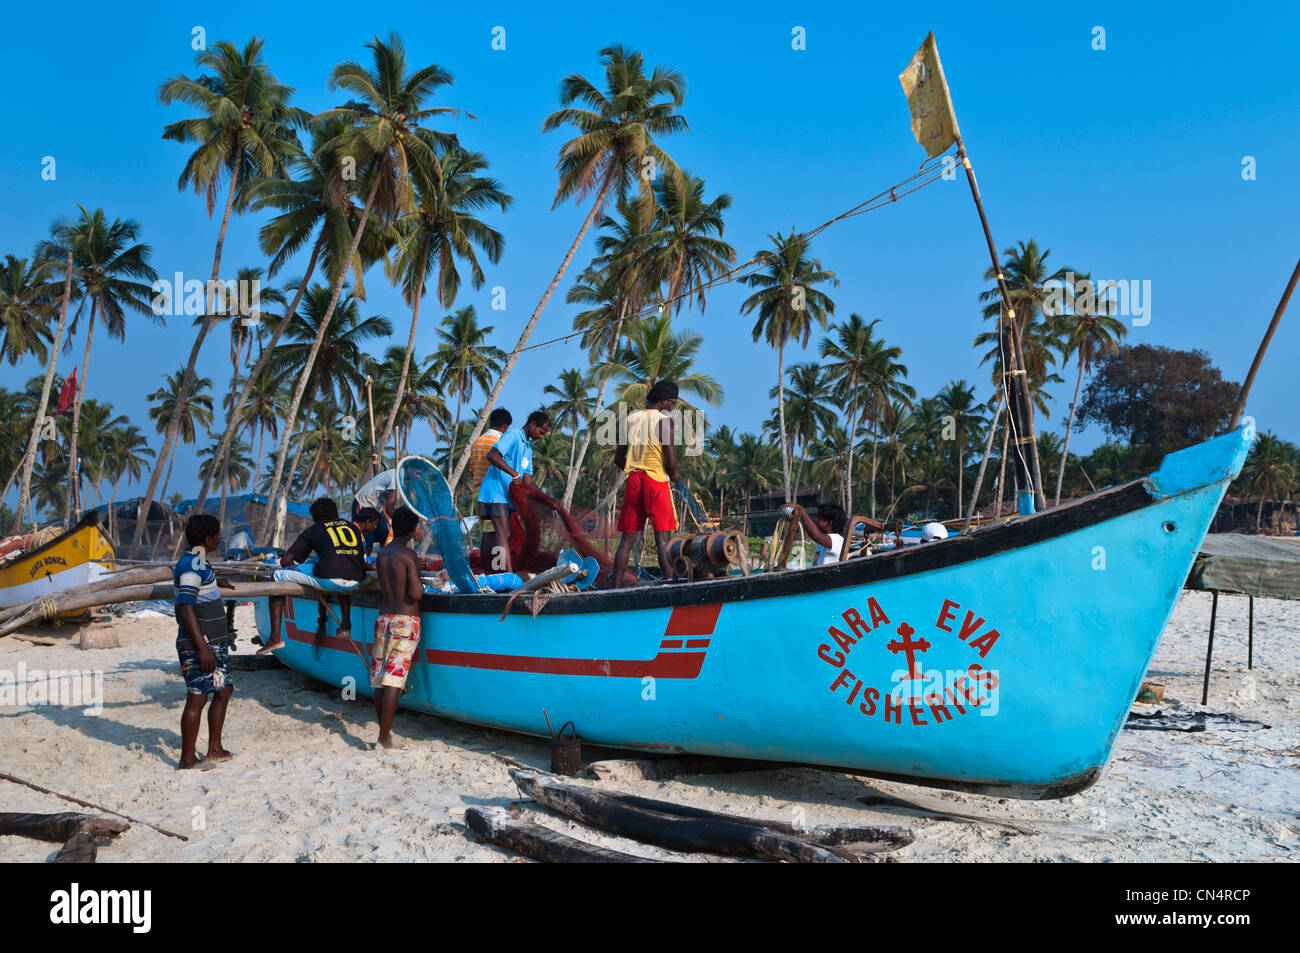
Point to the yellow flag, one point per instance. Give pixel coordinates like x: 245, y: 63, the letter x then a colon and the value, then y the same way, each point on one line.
x: 933, y: 121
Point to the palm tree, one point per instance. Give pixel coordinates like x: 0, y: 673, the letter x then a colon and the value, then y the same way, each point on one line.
x: 421, y: 400
x: 247, y: 129
x: 1269, y: 470
x: 684, y: 235
x: 128, y: 451
x: 189, y: 414
x: 627, y: 272
x: 464, y: 360
x: 721, y: 449
x: 615, y: 144
x: 114, y: 275
x: 384, y: 135
x: 1090, y: 332
x: 572, y: 406
x: 654, y: 352
x: 441, y: 229
x: 831, y: 462
x: 863, y: 365
x: 329, y: 357
x: 62, y: 233
x: 314, y: 204
x: 788, y: 303
x: 1027, y: 276
x: 807, y: 409
x: 27, y: 299
x: 957, y: 403
x: 755, y: 461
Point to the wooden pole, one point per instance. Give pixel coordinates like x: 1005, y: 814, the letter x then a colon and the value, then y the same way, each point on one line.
x: 1209, y: 648
x: 1263, y: 347
x: 98, y: 807
x: 1020, y: 409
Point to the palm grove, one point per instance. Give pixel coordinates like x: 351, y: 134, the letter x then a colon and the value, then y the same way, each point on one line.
x: 373, y: 190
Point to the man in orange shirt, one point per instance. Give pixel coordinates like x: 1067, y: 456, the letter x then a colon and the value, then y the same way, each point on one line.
x: 498, y: 423
x: 647, y: 453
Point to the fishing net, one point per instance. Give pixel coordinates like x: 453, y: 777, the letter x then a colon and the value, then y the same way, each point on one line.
x: 423, y: 489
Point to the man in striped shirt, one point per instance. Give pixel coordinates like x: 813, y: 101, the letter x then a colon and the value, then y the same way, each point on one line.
x: 202, y: 641
x: 498, y: 422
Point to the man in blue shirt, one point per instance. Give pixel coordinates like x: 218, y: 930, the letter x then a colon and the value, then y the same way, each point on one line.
x: 510, y: 459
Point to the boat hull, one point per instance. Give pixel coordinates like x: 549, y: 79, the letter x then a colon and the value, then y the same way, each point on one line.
x: 1003, y: 662
x: 65, y: 562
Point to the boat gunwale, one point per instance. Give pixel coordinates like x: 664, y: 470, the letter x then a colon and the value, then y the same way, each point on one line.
x: 985, y: 541
x: 90, y: 520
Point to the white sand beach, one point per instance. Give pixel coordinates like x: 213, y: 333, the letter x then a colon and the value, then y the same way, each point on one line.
x: 307, y: 786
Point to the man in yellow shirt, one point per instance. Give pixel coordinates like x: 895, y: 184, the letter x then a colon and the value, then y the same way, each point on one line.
x: 647, y: 453
x: 498, y: 423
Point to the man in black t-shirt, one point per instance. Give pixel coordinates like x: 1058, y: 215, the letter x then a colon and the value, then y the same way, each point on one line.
x: 340, y: 566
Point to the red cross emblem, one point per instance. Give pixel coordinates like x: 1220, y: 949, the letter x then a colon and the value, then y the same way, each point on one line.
x: 910, y: 648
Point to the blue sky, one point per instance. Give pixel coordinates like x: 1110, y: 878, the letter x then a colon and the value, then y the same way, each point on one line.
x: 1125, y: 162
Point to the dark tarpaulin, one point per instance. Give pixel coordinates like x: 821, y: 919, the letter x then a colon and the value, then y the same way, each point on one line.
x: 1264, y: 566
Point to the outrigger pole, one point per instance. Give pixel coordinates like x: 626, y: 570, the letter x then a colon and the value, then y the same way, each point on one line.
x: 1263, y: 346
x: 934, y: 123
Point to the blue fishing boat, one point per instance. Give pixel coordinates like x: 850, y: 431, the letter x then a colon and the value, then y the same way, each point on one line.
x: 1003, y: 661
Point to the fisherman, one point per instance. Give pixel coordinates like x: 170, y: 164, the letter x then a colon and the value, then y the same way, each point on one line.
x: 511, y: 459
x: 368, y: 519
x: 647, y: 453
x: 498, y: 422
x: 397, y: 630
x: 826, y: 530
x: 202, y: 641
x: 340, y: 566
x: 380, y: 494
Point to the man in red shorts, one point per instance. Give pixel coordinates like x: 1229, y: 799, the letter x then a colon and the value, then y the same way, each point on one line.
x: 646, y: 453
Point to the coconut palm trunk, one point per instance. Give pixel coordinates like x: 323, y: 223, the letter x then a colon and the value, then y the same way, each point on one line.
x: 187, y: 381
x: 853, y: 430
x: 263, y: 359
x: 571, y: 484
x: 780, y: 408
x: 1002, y: 464
x: 276, y: 505
x: 401, y: 384
x: 988, y: 448
x: 29, y: 458
x: 1069, y: 428
x: 596, y: 206
x: 72, y: 498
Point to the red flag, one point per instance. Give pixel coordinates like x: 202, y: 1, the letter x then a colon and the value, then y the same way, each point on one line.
x: 67, y: 392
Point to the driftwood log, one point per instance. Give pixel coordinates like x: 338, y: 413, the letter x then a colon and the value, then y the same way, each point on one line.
x: 79, y: 849
x: 59, y: 827
x: 498, y: 827
x: 98, y: 807
x: 674, y: 830
x: 862, y: 838
x: 75, y: 599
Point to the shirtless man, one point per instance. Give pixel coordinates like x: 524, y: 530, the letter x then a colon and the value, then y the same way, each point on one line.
x: 397, y: 630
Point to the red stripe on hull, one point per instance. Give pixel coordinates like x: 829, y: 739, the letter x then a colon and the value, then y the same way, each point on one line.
x: 663, y: 665
x: 692, y: 620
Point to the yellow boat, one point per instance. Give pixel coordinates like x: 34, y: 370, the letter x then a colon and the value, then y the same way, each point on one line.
x: 65, y: 561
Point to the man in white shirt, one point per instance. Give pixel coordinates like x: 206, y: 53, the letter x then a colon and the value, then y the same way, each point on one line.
x: 827, y: 530
x: 379, y: 494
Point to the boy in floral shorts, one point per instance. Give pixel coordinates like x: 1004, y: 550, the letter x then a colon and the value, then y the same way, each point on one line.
x: 397, y: 630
